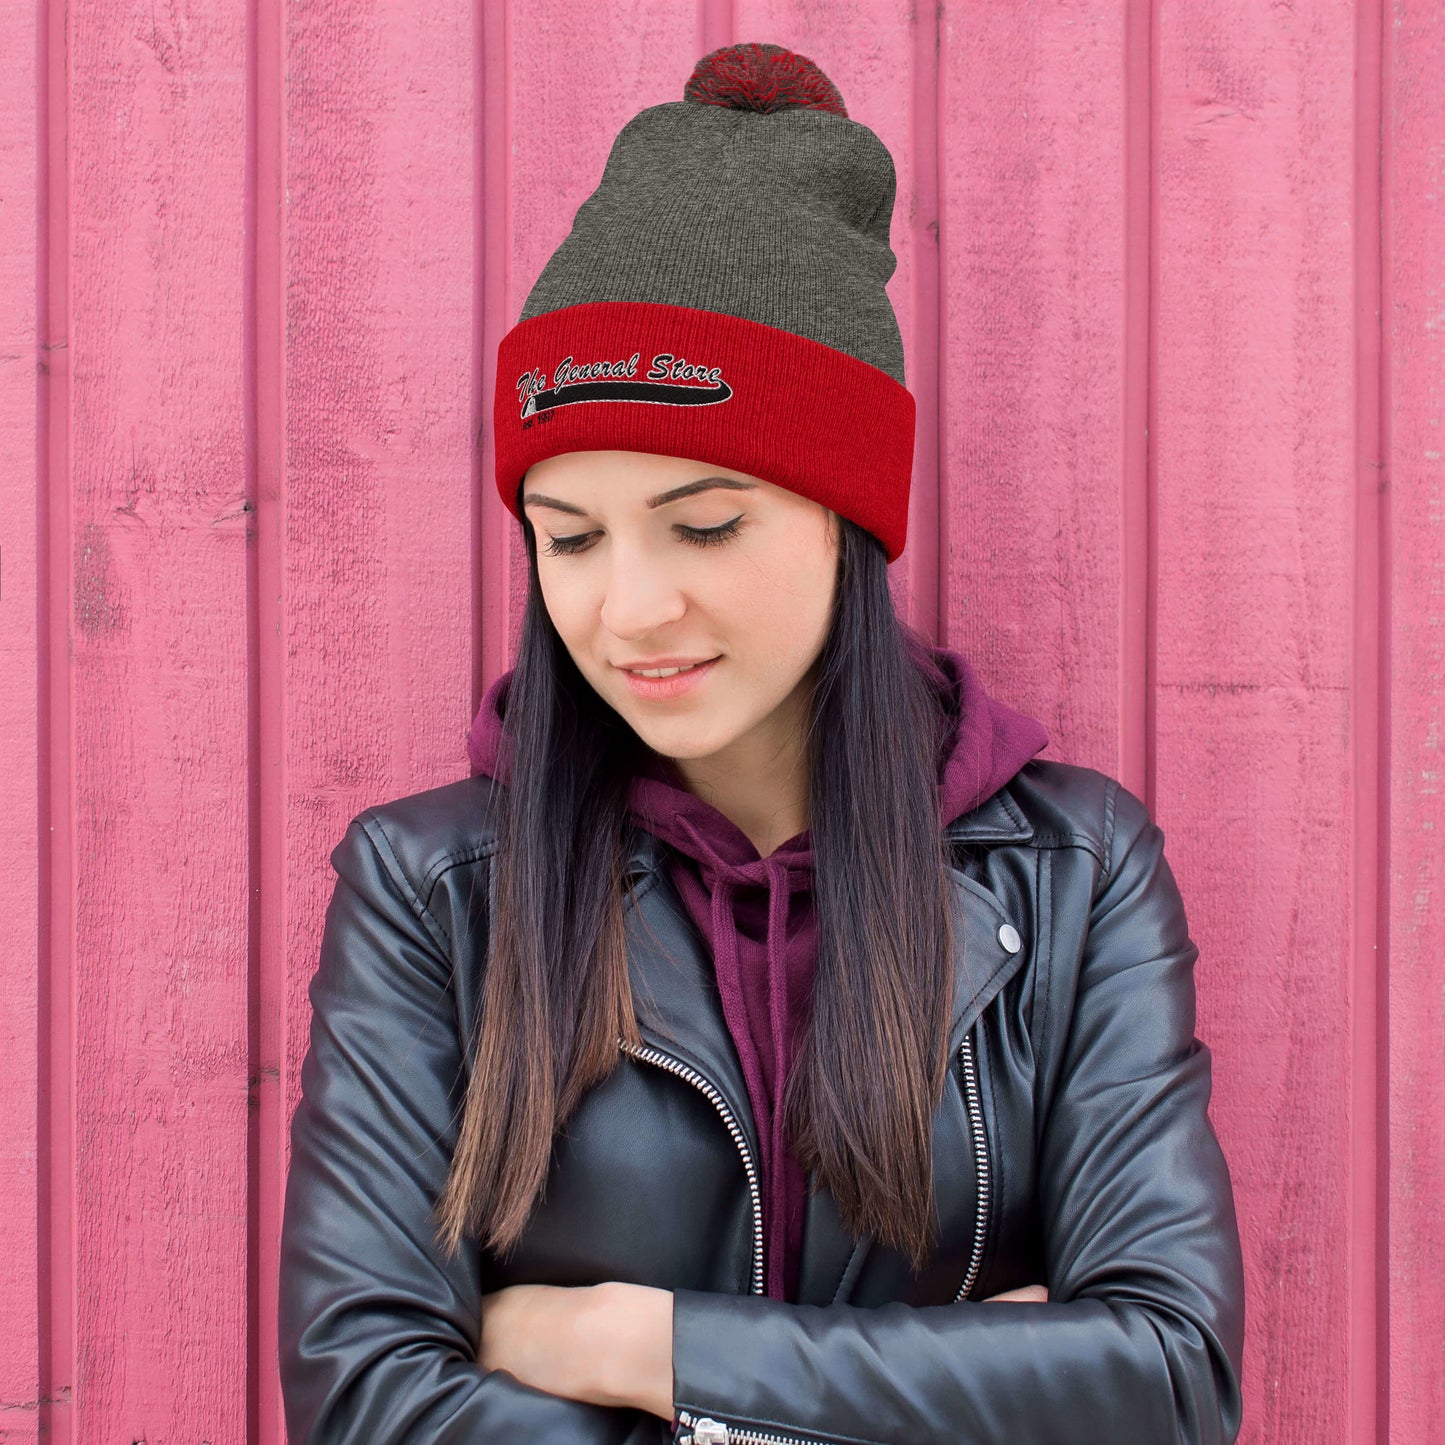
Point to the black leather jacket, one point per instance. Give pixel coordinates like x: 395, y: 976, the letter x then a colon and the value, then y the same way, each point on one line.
x: 1072, y: 1149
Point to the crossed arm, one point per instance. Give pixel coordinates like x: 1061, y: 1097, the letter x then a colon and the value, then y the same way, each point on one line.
x: 607, y: 1344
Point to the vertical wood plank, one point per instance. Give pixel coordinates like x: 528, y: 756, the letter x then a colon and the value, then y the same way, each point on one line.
x: 20, y: 708
x: 157, y: 637
x: 1255, y: 395
x: 494, y: 532
x: 374, y: 533
x: 264, y: 383
x: 1032, y: 361
x: 1366, y: 1209
x: 1414, y: 377
x: 55, y: 1084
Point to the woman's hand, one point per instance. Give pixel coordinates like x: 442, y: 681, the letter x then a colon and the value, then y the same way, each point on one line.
x: 1036, y: 1292
x: 605, y: 1344
x: 540, y: 1333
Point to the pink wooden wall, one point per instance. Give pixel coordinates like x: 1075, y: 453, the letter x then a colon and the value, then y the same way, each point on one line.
x: 1171, y: 279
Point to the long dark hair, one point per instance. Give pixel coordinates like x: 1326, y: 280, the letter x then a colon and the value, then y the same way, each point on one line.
x: 859, y: 1102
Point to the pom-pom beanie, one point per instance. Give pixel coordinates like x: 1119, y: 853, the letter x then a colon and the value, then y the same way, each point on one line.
x: 720, y: 296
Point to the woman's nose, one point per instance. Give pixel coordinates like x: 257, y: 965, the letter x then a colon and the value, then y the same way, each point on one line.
x: 640, y: 598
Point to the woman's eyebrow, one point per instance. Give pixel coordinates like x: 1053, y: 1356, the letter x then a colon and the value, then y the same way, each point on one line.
x: 688, y: 489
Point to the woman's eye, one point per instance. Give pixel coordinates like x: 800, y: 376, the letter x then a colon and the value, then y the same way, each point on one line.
x: 697, y: 536
x: 711, y: 536
x: 566, y: 546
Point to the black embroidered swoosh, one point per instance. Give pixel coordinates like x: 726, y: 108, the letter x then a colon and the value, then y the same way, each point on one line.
x: 657, y: 393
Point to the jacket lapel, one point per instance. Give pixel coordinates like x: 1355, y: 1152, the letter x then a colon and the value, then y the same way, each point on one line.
x: 674, y: 987
x: 985, y: 963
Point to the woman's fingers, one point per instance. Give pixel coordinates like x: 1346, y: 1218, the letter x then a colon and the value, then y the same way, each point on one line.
x: 1037, y: 1292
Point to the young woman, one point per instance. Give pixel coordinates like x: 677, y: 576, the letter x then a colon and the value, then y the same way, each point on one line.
x: 762, y: 1003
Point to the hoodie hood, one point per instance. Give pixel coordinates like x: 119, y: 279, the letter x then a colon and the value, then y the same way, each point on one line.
x: 987, y: 743
x: 757, y: 913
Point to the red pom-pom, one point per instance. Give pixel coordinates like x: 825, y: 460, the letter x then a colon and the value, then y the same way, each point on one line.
x: 763, y: 78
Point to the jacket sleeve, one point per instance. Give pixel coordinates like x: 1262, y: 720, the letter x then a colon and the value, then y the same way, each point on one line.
x: 1142, y: 1335
x: 378, y: 1330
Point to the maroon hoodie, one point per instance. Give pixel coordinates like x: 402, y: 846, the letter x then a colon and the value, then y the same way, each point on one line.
x: 757, y: 913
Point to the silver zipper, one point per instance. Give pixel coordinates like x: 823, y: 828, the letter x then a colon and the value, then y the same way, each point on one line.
x: 676, y: 1066
x: 980, y: 1157
x: 704, y: 1430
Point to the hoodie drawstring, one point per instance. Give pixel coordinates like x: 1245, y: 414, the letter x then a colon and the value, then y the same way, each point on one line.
x: 772, y: 874
x: 725, y: 878
x: 778, y: 900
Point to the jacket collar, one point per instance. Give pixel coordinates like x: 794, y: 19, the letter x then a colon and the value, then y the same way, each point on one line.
x: 996, y: 820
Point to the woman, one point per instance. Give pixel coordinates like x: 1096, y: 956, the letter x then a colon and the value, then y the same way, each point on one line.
x: 762, y: 1002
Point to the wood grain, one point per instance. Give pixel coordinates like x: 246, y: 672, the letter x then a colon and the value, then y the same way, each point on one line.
x: 375, y: 545
x: 157, y: 636
x: 22, y: 668
x: 1411, y: 931
x: 1032, y: 362
x: 1253, y: 454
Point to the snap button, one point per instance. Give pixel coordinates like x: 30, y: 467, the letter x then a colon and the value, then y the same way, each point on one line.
x: 1008, y: 935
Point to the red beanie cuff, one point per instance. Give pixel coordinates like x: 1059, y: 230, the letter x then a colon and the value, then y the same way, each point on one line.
x: 648, y: 377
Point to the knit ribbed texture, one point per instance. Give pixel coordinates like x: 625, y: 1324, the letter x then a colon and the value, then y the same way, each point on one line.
x: 780, y: 218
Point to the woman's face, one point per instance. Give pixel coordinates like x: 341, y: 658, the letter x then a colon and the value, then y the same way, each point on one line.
x: 650, y: 561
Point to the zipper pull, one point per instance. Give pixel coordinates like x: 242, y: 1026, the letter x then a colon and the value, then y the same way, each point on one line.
x: 705, y: 1431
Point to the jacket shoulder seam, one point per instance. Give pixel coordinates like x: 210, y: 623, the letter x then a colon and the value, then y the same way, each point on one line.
x: 1057, y: 838
x: 1043, y: 889
x: 1056, y: 822
x: 1111, y: 793
x: 458, y: 858
x: 389, y: 860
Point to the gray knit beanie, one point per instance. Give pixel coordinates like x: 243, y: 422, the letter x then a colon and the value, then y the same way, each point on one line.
x: 720, y: 296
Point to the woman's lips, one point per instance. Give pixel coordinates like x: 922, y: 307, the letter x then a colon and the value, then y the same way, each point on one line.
x: 660, y: 689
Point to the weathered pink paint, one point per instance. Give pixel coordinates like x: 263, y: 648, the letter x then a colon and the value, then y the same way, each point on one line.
x: 1408, y: 1246
x: 23, y: 942
x: 1169, y: 281
x: 1255, y: 676
x: 364, y: 517
x: 159, y: 687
